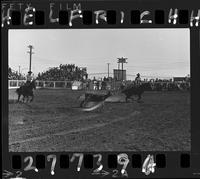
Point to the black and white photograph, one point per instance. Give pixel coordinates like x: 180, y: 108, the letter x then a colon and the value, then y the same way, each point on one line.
x: 99, y: 90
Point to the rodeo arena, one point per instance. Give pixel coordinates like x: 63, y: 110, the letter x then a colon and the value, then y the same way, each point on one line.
x: 65, y: 108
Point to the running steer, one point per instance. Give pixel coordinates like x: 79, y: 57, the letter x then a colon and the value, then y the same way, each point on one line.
x: 135, y: 90
x: 89, y: 97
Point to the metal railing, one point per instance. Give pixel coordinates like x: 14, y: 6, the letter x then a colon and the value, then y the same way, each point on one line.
x: 114, y: 85
x: 12, y: 84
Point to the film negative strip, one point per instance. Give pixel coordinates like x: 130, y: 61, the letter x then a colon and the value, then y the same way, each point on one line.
x: 100, y: 89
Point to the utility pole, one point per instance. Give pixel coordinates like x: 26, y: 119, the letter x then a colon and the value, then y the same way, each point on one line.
x: 118, y: 70
x: 108, y: 69
x: 19, y: 69
x: 122, y: 60
x: 30, y: 52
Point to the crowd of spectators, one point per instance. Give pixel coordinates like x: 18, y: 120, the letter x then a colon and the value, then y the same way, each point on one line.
x: 67, y: 72
x: 152, y: 84
x: 170, y: 86
x: 14, y: 75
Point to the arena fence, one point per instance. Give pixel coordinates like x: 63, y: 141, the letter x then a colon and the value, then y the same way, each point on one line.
x: 112, y: 85
x: 12, y: 84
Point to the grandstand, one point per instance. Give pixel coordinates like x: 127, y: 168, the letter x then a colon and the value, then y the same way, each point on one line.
x: 14, y: 75
x: 65, y: 75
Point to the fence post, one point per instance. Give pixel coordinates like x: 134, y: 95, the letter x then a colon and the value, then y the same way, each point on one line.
x: 54, y: 84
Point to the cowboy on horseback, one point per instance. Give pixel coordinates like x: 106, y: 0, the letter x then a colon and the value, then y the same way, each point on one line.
x: 27, y: 89
x: 29, y: 78
x: 138, y: 80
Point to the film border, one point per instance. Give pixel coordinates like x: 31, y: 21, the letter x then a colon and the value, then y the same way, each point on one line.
x: 172, y: 158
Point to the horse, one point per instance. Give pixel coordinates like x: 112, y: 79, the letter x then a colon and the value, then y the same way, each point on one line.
x: 26, y: 90
x: 137, y: 90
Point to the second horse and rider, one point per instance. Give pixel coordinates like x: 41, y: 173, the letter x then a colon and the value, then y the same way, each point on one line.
x: 136, y: 88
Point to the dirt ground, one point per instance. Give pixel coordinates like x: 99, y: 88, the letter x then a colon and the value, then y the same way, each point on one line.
x: 52, y: 122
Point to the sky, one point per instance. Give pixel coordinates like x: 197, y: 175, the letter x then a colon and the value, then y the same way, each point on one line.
x: 162, y: 53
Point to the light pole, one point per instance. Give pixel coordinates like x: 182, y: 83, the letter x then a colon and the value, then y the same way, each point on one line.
x: 108, y: 69
x: 118, y: 70
x: 30, y: 52
x: 19, y: 69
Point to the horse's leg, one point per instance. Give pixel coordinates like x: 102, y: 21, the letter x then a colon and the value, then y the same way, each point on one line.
x: 18, y: 97
x: 27, y: 97
x: 82, y: 103
x: 32, y: 98
x: 127, y: 99
x: 23, y: 99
